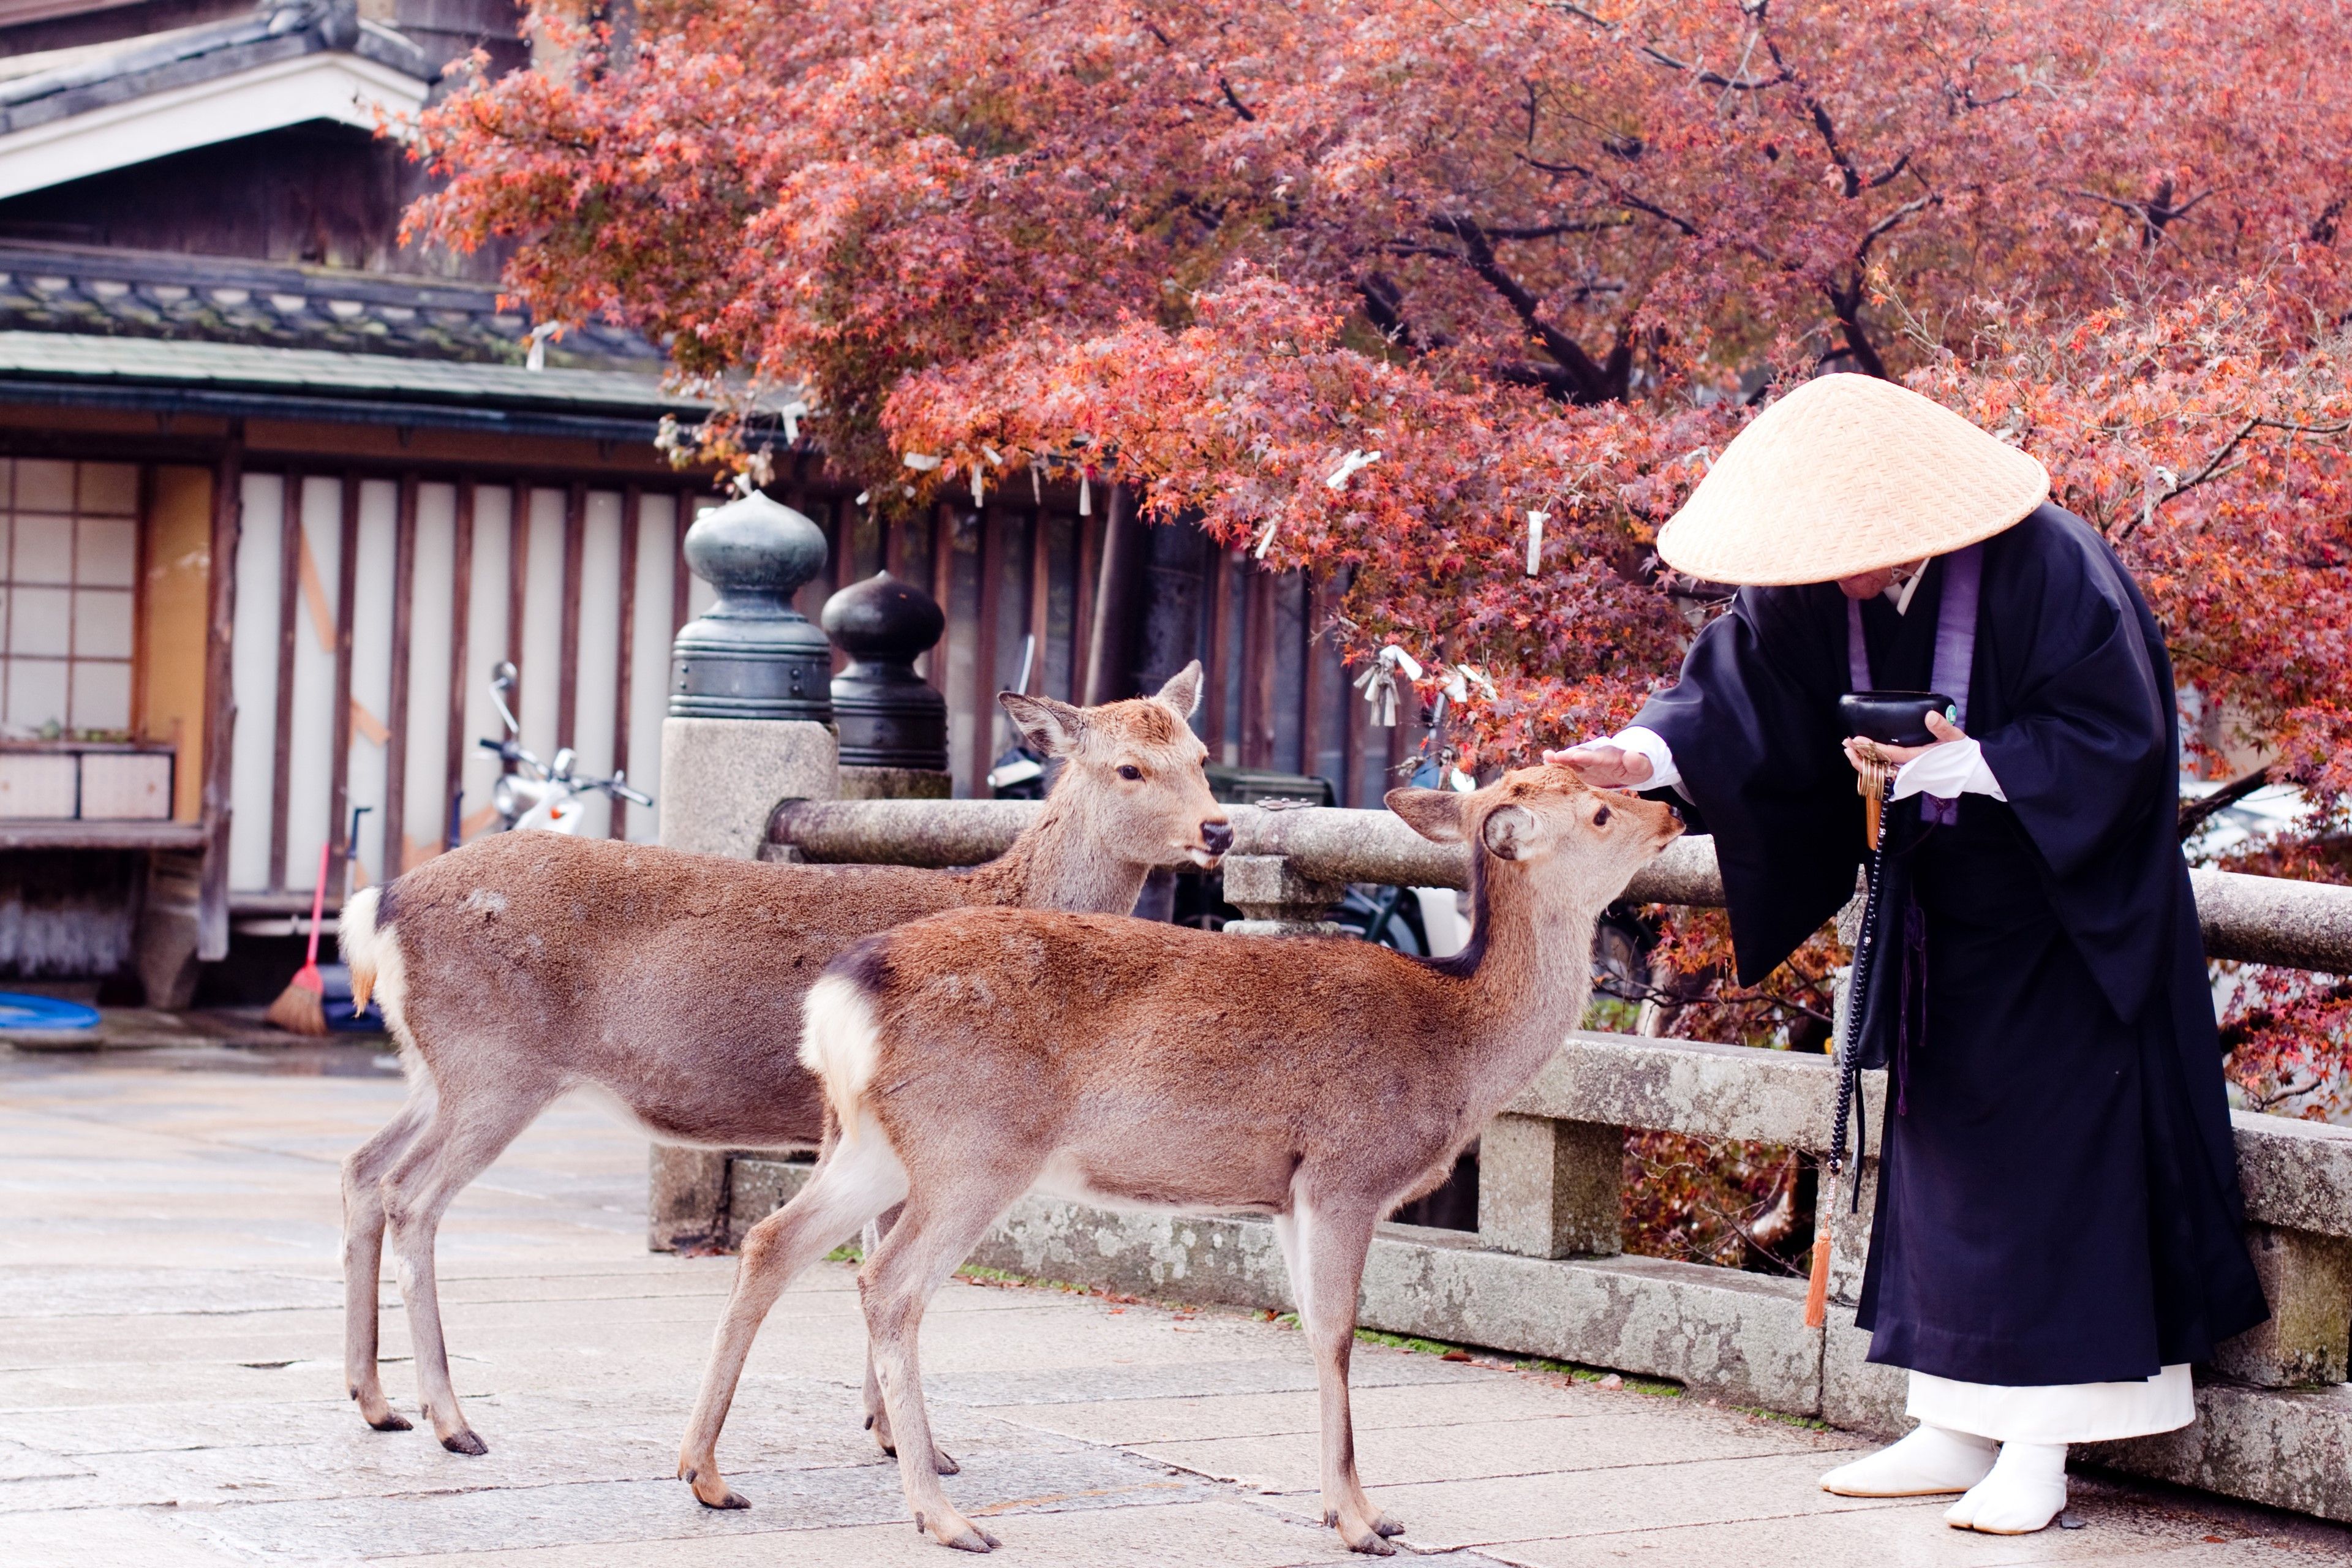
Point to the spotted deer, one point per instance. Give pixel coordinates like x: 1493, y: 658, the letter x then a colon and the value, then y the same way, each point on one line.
x: 525, y: 965
x: 973, y: 1057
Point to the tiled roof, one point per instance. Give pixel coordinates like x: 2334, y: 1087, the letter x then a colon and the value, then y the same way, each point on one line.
x: 231, y: 368
x: 223, y: 299
x: 57, y: 84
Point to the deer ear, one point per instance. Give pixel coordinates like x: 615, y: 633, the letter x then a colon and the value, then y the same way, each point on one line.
x: 1508, y: 831
x: 1434, y: 813
x: 1182, y: 691
x: 1048, y: 727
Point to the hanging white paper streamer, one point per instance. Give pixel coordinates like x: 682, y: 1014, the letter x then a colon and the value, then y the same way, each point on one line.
x: 1379, y: 684
x: 1037, y: 483
x: 1536, y: 520
x: 1086, y: 493
x: 791, y: 414
x: 921, y: 462
x: 1340, y: 476
x: 975, y: 485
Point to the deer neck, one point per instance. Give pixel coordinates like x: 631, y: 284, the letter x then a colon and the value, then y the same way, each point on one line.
x: 1056, y: 864
x: 1532, y: 977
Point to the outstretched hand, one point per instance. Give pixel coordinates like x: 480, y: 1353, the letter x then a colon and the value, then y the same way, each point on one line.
x: 1603, y: 765
x: 1942, y: 729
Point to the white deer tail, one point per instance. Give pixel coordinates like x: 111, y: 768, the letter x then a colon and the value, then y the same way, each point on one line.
x: 840, y: 1043
x: 372, y: 952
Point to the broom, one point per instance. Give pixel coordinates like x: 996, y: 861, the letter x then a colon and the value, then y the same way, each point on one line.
x: 301, y: 1008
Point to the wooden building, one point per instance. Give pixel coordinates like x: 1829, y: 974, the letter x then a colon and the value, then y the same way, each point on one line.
x: 276, y: 493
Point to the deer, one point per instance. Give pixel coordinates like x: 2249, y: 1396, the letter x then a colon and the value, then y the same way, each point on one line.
x: 528, y: 964
x: 972, y: 1058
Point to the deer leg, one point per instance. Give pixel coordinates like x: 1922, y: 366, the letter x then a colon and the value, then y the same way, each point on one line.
x: 464, y: 1136
x: 1326, y: 1253
x: 363, y: 1255
x: 855, y: 1180
x: 877, y: 1415
x: 915, y: 1259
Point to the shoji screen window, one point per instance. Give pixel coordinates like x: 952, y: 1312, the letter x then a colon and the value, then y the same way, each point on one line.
x: 70, y: 539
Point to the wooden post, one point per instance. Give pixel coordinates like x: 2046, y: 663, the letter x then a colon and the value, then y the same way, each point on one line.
x: 632, y: 500
x: 289, y: 610
x: 681, y: 576
x: 452, y: 761
x: 518, y: 574
x: 1108, y: 644
x: 339, y: 793
x: 1041, y: 594
x: 1221, y: 636
x: 1351, y: 767
x: 1310, y: 713
x: 934, y: 666
x: 395, y: 746
x: 220, y: 696
x: 567, y: 675
x: 983, y: 666
x: 1082, y: 614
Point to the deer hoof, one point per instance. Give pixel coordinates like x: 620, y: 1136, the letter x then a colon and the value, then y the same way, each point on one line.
x: 944, y: 1462
x: 964, y: 1536
x: 461, y: 1441
x: 389, y: 1422
x: 1387, y: 1526
x: 1370, y: 1542
x: 714, y: 1492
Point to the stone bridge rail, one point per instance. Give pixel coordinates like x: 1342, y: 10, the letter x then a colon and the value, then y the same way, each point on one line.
x: 1546, y: 1275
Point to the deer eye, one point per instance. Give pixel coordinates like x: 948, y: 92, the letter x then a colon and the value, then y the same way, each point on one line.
x: 1130, y: 771
x: 1600, y: 817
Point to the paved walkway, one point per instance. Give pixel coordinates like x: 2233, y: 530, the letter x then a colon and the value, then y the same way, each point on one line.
x: 170, y: 1393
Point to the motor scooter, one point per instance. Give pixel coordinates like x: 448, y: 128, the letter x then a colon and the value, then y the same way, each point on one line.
x: 533, y: 794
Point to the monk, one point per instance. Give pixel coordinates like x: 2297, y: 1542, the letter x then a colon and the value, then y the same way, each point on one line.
x: 2057, y: 1233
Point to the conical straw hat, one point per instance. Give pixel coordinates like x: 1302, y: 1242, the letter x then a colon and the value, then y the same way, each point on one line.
x: 1845, y: 475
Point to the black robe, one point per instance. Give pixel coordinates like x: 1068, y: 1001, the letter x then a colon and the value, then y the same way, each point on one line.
x: 2058, y: 1202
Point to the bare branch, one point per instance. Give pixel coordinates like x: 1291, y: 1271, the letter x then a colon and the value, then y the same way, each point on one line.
x: 1617, y: 192
x: 1234, y: 99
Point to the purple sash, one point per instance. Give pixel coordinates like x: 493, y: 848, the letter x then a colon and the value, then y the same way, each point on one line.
x: 1956, y: 652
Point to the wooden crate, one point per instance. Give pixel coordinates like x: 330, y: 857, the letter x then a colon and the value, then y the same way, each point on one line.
x: 121, y: 786
x: 37, y: 784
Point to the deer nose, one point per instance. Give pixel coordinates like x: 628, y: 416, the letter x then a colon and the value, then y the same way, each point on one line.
x: 1673, y: 811
x: 1216, y: 837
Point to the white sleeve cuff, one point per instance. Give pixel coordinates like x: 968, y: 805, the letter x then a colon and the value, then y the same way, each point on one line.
x: 1649, y: 743
x: 1948, y: 771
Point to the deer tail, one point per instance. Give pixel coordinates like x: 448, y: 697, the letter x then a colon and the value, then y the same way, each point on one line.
x: 840, y: 1043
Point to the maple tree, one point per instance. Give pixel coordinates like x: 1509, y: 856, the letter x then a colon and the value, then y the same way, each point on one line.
x: 1539, y: 258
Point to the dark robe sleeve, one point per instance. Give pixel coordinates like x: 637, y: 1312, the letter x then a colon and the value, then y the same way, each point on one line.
x: 1752, y: 723
x: 2078, y: 728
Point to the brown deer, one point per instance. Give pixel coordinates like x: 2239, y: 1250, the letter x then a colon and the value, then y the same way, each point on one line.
x: 973, y: 1057
x: 528, y: 964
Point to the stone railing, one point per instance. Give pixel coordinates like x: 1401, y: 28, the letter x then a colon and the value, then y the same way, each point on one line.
x: 1545, y: 1274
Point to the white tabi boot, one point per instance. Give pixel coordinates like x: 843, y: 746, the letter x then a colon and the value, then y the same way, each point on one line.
x: 2026, y: 1490
x: 1931, y: 1460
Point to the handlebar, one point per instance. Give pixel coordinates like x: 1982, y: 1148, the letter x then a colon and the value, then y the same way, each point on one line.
x: 616, y: 786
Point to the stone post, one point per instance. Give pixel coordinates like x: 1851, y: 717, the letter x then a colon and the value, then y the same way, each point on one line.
x: 750, y: 707
x: 893, y: 722
x: 1552, y: 1189
x: 2307, y: 1278
x: 751, y: 723
x: 1278, y: 900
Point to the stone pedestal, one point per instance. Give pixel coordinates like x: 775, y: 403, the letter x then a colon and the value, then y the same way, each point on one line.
x: 721, y: 778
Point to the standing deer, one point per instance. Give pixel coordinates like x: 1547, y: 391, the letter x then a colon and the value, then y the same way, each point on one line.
x: 528, y: 964
x: 975, y: 1057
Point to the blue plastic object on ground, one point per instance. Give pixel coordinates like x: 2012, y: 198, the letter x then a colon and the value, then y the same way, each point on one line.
x: 19, y: 1010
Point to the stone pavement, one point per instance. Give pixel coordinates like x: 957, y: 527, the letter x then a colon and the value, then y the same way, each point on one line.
x: 171, y: 1390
